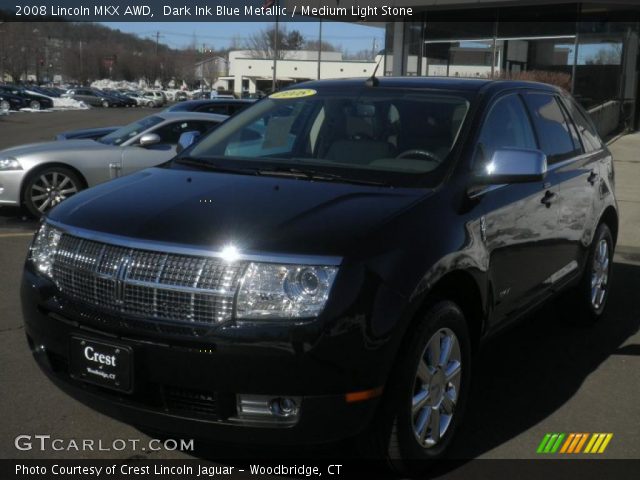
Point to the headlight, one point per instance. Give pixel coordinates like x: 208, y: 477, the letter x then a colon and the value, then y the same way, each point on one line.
x: 270, y: 291
x: 10, y: 163
x: 43, y: 248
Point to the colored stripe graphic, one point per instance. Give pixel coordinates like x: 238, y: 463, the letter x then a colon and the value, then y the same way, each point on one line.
x: 573, y: 443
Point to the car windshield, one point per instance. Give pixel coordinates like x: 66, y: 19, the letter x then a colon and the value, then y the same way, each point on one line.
x: 121, y: 135
x: 400, y: 136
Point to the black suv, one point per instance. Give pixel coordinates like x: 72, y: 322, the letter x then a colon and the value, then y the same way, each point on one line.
x: 323, y: 264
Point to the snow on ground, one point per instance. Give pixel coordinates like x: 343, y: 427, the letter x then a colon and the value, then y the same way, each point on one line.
x: 69, y: 104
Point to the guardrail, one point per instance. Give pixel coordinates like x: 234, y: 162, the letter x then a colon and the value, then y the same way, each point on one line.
x: 606, y: 117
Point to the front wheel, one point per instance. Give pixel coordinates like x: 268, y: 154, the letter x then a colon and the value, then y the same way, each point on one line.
x: 4, y: 106
x: 426, y: 394
x: 105, y: 104
x: 34, y: 105
x: 47, y: 188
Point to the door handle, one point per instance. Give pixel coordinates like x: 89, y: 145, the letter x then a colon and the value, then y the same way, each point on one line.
x: 548, y: 198
x: 593, y: 176
x: 114, y: 169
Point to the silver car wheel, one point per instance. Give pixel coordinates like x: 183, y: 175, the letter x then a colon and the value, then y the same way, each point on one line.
x: 34, y: 105
x: 51, y: 188
x: 600, y: 274
x: 436, y: 388
x: 4, y: 106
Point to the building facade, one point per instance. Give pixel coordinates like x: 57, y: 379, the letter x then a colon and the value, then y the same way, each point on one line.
x: 590, y: 49
x: 250, y: 72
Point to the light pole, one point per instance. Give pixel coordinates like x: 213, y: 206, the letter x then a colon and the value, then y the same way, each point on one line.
x: 1, y: 55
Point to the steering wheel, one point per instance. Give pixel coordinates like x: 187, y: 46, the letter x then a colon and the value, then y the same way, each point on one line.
x: 422, y: 153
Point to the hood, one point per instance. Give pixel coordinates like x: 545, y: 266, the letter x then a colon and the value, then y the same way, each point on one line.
x: 54, y: 146
x: 257, y: 214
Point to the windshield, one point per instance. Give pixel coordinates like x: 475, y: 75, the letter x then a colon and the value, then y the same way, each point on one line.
x: 371, y: 132
x: 121, y: 135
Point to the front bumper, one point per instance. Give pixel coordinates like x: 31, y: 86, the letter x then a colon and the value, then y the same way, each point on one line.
x: 300, y: 361
x: 10, y: 182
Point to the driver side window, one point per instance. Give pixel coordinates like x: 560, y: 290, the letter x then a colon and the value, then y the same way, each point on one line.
x: 506, y: 126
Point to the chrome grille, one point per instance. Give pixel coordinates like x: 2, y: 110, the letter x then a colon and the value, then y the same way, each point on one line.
x: 144, y: 283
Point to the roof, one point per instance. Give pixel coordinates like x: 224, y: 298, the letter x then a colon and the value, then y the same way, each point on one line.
x: 445, y: 83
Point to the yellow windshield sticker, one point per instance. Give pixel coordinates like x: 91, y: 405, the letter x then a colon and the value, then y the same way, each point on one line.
x: 295, y: 93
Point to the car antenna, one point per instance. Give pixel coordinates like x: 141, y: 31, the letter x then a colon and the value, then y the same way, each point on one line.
x: 372, y: 81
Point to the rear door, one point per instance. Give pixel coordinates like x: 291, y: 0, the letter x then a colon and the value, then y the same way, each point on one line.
x: 568, y: 174
x: 581, y: 181
x: 520, y: 219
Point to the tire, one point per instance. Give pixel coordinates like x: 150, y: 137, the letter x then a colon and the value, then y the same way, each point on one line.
x: 46, y: 188
x: 105, y: 104
x: 5, y: 106
x: 150, y: 104
x: 588, y: 300
x: 34, y: 105
x: 395, y: 435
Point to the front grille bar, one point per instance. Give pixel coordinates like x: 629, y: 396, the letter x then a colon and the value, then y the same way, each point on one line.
x: 144, y: 283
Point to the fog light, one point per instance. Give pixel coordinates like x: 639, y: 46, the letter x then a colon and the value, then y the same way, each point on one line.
x: 267, y: 408
x: 284, y: 407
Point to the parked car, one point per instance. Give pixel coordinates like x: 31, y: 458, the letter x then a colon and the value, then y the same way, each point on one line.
x: 141, y: 101
x: 127, y: 100
x: 324, y: 265
x: 35, y: 101
x: 222, y: 106
x: 94, y: 97
x: 41, y: 175
x: 154, y: 98
x: 12, y: 102
x: 86, y: 133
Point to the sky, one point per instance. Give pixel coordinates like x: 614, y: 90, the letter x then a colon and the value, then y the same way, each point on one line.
x: 213, y: 35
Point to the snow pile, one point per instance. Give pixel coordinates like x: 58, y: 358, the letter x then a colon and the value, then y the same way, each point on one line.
x: 69, y: 104
x: 111, y: 84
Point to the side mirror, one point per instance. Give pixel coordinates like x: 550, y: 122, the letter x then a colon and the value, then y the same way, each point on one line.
x: 149, y: 139
x: 512, y: 165
x: 186, y: 140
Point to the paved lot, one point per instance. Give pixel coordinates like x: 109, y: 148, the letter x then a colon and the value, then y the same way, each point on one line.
x: 542, y: 376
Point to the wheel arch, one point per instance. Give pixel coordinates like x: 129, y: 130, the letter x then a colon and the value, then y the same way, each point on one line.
x: 463, y: 288
x: 610, y: 217
x: 34, y: 171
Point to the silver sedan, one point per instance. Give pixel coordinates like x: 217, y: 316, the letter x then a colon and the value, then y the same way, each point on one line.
x: 41, y: 175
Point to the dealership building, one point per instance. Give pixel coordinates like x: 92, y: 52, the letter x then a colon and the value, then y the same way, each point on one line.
x: 591, y: 49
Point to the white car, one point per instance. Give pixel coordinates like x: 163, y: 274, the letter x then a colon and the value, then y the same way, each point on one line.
x: 41, y: 175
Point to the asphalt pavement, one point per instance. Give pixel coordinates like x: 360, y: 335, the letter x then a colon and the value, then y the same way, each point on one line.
x: 539, y: 377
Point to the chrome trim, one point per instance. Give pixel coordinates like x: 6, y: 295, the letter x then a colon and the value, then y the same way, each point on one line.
x: 563, y: 272
x: 165, y: 247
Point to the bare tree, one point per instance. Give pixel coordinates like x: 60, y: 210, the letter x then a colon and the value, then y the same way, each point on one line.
x: 261, y: 44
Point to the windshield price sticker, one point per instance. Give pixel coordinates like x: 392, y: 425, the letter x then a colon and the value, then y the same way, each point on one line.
x: 296, y: 93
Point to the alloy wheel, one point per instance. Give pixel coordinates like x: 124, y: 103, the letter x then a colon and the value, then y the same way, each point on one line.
x: 34, y: 105
x: 4, y: 106
x: 436, y: 388
x: 600, y: 274
x: 51, y: 188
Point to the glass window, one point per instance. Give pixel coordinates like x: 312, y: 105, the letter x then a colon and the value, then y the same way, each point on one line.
x: 553, y: 131
x: 588, y: 132
x: 357, y: 132
x: 506, y: 126
x: 127, y: 132
x: 170, y: 133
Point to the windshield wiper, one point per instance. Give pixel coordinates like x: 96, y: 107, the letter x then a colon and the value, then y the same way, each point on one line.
x: 311, y: 174
x: 204, y: 163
